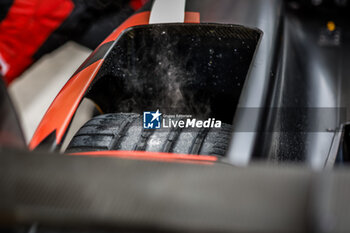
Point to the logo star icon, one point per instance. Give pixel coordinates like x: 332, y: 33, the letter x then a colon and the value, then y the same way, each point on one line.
x: 156, y: 116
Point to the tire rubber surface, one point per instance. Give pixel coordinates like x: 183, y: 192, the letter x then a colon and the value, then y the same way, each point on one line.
x: 124, y: 131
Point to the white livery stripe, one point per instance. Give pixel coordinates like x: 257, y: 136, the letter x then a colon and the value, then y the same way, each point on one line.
x: 168, y: 11
x: 4, y: 67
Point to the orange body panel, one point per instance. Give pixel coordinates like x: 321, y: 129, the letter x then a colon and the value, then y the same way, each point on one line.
x: 61, y: 111
x: 135, y: 20
x: 152, y: 156
x: 192, y: 17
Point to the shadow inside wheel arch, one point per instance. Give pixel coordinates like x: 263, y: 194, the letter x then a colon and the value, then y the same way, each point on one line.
x: 196, y: 69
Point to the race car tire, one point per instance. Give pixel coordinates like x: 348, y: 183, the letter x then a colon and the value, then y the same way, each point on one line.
x: 124, y: 131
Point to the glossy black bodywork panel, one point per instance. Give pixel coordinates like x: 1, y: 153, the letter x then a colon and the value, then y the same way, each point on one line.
x: 312, y: 78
